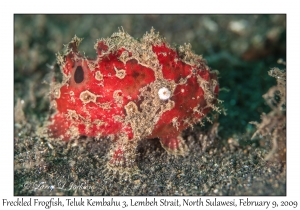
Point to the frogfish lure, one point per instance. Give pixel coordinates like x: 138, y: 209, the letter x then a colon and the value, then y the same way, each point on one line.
x: 133, y: 90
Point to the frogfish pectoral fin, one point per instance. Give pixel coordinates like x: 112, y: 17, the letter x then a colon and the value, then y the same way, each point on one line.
x: 174, y: 145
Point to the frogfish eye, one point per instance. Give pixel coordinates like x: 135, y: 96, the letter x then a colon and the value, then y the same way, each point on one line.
x: 79, y: 75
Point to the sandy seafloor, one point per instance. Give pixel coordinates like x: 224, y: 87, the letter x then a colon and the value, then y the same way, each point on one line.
x: 243, y: 48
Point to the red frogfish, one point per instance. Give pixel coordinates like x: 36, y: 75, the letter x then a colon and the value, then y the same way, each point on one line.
x: 133, y: 90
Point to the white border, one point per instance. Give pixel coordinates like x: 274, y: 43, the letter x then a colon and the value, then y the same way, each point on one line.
x: 6, y: 85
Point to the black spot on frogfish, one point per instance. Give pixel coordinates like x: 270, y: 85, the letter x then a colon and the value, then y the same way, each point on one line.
x: 79, y: 75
